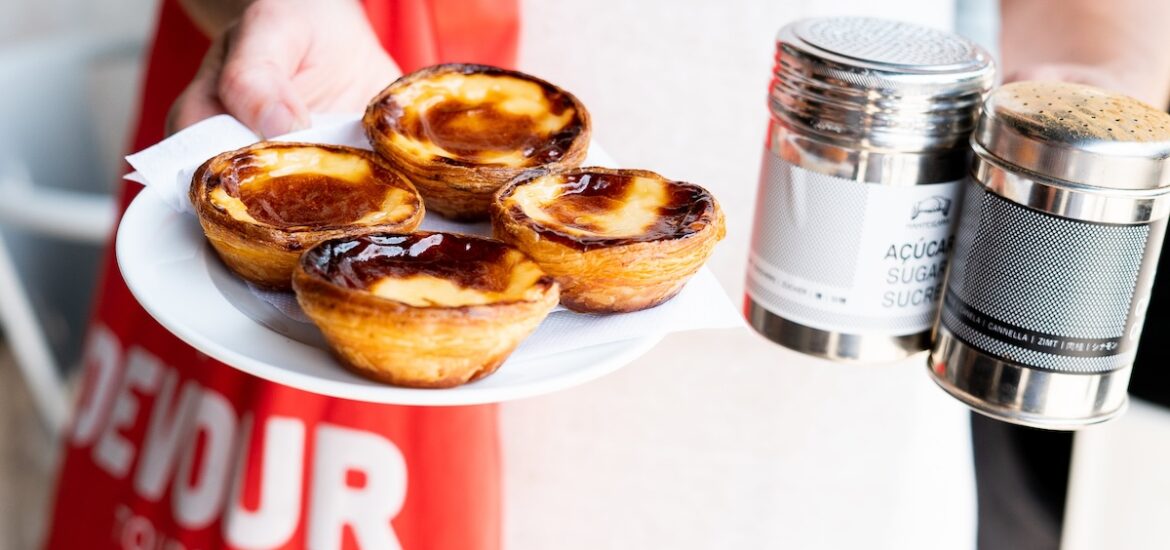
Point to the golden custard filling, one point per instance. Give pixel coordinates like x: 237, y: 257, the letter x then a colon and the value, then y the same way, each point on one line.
x: 608, y: 212
x: 597, y: 206
x: 430, y: 269
x: 484, y: 118
x: 426, y: 290
x: 299, y: 186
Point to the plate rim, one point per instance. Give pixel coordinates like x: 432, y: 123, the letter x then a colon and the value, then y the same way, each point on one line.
x: 148, y: 207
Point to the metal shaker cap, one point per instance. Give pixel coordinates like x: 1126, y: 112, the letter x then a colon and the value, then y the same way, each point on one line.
x: 876, y: 84
x: 1076, y: 134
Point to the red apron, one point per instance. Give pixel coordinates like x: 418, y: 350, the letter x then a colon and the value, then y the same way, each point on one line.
x: 172, y: 450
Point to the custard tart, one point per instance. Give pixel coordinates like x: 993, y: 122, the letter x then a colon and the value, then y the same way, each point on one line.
x: 460, y: 132
x: 615, y: 240
x: 262, y: 205
x: 428, y: 310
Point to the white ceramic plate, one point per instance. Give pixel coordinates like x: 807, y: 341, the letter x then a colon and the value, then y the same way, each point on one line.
x: 179, y: 280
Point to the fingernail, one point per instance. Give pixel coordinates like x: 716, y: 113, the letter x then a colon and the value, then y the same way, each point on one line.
x: 275, y: 120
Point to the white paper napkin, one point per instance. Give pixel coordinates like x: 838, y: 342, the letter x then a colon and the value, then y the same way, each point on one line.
x: 166, y: 169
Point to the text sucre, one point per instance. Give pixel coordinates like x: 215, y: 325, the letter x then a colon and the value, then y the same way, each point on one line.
x: 915, y: 274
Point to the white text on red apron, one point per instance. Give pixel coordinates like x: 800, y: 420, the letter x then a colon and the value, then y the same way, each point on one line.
x: 197, y: 445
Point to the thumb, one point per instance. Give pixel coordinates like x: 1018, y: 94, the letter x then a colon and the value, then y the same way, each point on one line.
x: 255, y: 83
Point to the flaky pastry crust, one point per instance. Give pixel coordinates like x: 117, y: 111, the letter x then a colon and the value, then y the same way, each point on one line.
x: 479, y: 299
x: 615, y: 240
x: 259, y: 224
x: 462, y: 131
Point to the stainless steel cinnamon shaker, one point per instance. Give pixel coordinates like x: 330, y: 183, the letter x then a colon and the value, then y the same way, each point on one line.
x: 1059, y: 237
x: 866, y: 150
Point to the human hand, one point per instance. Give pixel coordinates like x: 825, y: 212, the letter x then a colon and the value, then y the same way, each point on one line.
x: 284, y: 59
x: 1099, y: 75
x: 1077, y: 73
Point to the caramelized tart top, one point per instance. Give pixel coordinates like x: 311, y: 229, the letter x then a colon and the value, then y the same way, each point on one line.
x: 596, y: 207
x: 477, y: 115
x: 298, y: 187
x: 428, y: 269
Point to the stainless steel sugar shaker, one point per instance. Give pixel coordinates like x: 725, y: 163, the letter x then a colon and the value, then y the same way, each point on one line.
x: 1055, y: 255
x: 865, y: 153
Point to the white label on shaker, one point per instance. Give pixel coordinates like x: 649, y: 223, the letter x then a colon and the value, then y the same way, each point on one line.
x: 845, y: 256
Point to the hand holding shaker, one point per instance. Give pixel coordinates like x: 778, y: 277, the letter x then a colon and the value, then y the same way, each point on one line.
x: 866, y: 151
x: 1055, y: 254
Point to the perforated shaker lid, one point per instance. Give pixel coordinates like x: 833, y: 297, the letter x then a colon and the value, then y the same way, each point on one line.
x: 1076, y: 134
x: 878, y: 83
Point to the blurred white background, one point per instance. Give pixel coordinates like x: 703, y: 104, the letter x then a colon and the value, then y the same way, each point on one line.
x: 56, y: 274
x: 24, y: 19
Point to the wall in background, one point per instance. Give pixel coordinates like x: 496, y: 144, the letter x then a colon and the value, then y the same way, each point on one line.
x: 27, y: 459
x: 28, y: 19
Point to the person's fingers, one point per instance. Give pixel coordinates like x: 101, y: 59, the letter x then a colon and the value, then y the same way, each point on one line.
x: 200, y: 100
x: 262, y: 55
x: 1067, y: 72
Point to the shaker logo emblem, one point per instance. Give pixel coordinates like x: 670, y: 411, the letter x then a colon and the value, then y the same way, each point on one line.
x: 931, y: 205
